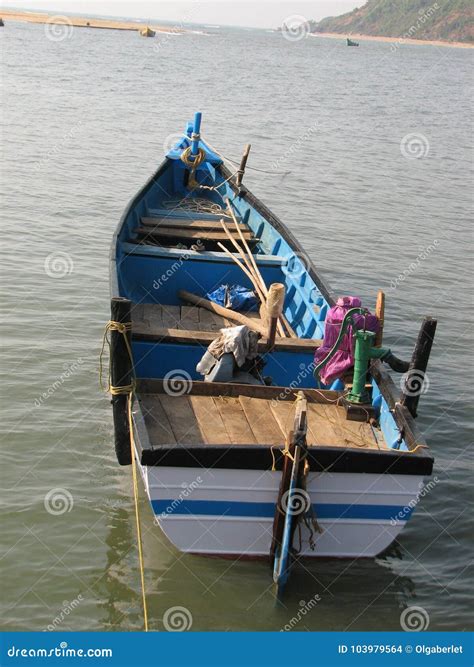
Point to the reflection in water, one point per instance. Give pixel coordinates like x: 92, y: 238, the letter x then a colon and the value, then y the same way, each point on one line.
x: 224, y: 594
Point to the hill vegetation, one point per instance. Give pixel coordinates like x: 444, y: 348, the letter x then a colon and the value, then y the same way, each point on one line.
x: 450, y: 20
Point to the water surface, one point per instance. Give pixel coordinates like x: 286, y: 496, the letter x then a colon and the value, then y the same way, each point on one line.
x: 376, y: 144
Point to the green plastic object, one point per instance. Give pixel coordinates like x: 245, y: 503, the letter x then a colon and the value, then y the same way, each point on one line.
x: 364, y: 351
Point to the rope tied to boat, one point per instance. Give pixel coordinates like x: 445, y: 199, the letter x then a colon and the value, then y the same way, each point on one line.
x: 129, y: 390
x: 123, y: 328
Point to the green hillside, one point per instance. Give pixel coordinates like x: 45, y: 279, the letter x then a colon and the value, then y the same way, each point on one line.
x: 451, y: 20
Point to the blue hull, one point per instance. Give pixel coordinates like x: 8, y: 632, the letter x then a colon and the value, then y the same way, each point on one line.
x: 148, y: 270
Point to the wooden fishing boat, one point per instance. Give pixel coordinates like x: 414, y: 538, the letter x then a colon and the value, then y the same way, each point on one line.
x: 234, y: 464
x: 350, y: 42
x: 147, y: 32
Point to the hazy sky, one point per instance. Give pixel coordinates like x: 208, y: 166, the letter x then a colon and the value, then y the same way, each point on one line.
x: 257, y: 13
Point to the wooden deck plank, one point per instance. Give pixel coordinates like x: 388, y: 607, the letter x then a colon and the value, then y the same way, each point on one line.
x: 247, y: 420
x: 171, y: 316
x: 154, y: 314
x: 187, y: 223
x: 192, y: 337
x: 189, y: 234
x: 182, y: 418
x: 189, y: 317
x: 355, y: 433
x: 209, y: 421
x: 321, y: 433
x: 284, y: 413
x: 157, y: 423
x: 139, y: 316
x: 261, y: 420
x: 208, y: 321
x: 233, y: 416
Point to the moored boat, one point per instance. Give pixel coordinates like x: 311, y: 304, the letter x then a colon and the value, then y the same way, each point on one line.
x: 147, y: 32
x: 351, y: 42
x: 208, y: 288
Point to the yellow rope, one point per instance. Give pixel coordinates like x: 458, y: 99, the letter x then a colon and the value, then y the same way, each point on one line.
x: 124, y: 328
x: 137, y: 511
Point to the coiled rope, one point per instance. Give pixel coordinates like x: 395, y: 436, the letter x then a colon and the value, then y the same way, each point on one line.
x: 129, y: 390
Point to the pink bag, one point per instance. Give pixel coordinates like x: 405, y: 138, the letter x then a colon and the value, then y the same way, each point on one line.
x: 343, y: 360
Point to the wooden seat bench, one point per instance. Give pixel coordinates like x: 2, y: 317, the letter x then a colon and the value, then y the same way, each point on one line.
x: 192, y: 325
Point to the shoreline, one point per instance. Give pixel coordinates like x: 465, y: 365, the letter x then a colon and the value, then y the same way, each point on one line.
x: 83, y: 22
x: 391, y: 40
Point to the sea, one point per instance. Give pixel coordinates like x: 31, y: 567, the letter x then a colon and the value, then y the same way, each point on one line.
x: 366, y: 154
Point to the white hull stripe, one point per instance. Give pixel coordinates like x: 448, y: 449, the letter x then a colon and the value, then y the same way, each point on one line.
x: 267, y: 510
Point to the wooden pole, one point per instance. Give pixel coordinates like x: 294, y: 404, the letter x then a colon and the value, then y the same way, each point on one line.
x: 415, y: 377
x: 244, y: 268
x: 248, y: 269
x: 275, y: 301
x: 243, y: 164
x: 220, y: 310
x: 256, y: 270
x: 121, y: 375
x: 380, y: 313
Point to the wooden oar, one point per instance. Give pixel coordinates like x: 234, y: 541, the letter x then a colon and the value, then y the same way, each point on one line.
x: 245, y: 270
x: 257, y: 272
x: 220, y: 310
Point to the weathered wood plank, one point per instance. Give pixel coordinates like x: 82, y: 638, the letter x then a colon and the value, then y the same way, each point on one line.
x: 262, y: 421
x: 274, y: 394
x: 189, y: 318
x: 171, y: 316
x: 235, y: 421
x: 182, y: 418
x: 209, y: 420
x: 178, y: 233
x: 157, y: 423
x: 320, y: 429
x: 191, y: 337
x: 154, y: 314
x: 208, y: 321
x: 187, y: 223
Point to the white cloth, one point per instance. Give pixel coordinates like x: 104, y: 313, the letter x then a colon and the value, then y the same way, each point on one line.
x: 241, y: 341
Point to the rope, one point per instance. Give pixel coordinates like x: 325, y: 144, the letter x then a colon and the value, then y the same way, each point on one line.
x: 129, y: 390
x: 137, y: 511
x: 197, y: 159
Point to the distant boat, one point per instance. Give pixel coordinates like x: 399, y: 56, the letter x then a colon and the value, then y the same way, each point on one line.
x: 1, y: 23
x: 147, y: 32
x: 352, y: 43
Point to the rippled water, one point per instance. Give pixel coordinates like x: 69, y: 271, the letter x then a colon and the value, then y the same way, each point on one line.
x: 85, y: 120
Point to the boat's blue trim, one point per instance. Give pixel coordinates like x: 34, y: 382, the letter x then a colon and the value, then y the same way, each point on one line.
x: 267, y: 510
